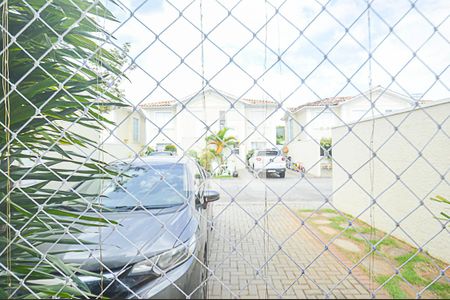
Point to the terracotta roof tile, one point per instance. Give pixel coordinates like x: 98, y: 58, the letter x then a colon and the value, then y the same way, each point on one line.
x: 168, y: 103
x: 332, y: 101
x: 163, y: 103
x: 259, y: 101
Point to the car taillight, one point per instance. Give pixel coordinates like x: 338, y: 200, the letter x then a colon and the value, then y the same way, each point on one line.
x: 283, y: 158
x: 258, y: 158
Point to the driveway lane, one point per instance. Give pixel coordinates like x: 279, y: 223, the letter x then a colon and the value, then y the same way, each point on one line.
x: 252, y: 256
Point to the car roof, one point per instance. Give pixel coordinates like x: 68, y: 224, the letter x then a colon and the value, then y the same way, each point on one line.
x: 154, y: 160
x: 162, y: 152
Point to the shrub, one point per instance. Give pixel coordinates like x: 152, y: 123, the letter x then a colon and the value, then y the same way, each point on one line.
x: 170, y: 148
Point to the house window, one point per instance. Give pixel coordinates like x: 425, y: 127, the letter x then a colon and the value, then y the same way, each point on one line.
x: 222, y: 119
x: 136, y: 131
x: 280, y: 135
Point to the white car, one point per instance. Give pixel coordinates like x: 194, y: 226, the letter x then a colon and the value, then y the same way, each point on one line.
x: 270, y: 160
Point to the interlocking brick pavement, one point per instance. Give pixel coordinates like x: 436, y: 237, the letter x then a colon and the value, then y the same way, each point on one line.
x: 247, y: 263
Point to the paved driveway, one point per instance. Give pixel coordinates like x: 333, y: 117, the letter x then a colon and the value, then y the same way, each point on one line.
x: 253, y: 256
x: 308, y: 192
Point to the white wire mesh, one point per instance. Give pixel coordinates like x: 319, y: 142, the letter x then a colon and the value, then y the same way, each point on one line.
x: 253, y: 242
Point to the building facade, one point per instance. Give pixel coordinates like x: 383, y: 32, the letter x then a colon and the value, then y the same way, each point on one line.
x: 187, y: 122
x: 308, y: 124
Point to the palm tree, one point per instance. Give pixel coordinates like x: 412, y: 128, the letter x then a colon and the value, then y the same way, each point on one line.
x: 206, y: 158
x: 54, y: 74
x: 220, y: 141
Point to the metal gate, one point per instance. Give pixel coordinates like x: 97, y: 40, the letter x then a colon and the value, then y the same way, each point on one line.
x: 224, y: 149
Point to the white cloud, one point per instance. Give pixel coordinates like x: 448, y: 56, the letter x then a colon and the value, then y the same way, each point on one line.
x: 302, y: 57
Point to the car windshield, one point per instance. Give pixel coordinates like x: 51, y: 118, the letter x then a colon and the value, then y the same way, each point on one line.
x: 154, y: 186
x: 268, y: 153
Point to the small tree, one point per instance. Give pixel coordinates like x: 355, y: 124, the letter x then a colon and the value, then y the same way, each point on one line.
x: 170, y: 148
x: 149, y: 150
x: 280, y: 135
x: 69, y: 86
x: 249, y: 155
x: 206, y: 158
x: 193, y: 154
x: 325, y: 147
x: 219, y: 141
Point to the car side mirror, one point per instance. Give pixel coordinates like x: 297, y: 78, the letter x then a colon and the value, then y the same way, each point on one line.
x: 211, y: 196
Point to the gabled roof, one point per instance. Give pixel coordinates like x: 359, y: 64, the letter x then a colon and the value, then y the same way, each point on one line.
x: 258, y: 101
x: 162, y: 103
x: 332, y: 101
x: 231, y: 98
x: 335, y: 101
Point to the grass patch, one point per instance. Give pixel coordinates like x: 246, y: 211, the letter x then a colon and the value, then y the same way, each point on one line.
x: 417, y: 258
x: 328, y: 210
x: 392, y: 287
x: 419, y: 269
x: 223, y: 176
x: 388, y: 241
x: 440, y: 289
x: 339, y: 219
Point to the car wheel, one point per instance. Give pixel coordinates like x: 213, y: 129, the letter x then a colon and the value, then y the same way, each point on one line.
x: 283, y: 174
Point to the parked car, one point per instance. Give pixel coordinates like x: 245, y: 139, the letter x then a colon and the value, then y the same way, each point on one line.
x: 270, y: 161
x: 162, y: 153
x: 160, y: 244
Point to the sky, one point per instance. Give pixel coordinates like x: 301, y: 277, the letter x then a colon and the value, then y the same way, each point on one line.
x: 289, y: 51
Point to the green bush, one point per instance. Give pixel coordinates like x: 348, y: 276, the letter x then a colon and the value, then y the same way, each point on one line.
x: 193, y: 154
x: 249, y: 155
x: 149, y: 150
x: 170, y: 148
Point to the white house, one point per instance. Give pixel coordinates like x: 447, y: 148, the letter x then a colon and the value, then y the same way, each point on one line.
x: 186, y: 122
x: 308, y: 123
x: 126, y: 137
x: 121, y: 140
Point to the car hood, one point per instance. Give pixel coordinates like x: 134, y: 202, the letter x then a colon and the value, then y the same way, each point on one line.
x: 139, y: 234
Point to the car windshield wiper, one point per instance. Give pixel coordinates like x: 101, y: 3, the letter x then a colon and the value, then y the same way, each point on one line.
x: 140, y: 207
x: 66, y: 207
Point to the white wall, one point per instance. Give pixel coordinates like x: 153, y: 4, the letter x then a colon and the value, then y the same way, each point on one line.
x: 155, y: 122
x: 385, y: 102
x: 189, y: 132
x: 417, y: 180
x: 308, y: 153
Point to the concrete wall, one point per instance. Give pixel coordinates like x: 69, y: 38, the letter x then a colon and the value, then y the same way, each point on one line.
x: 417, y: 181
x: 308, y: 153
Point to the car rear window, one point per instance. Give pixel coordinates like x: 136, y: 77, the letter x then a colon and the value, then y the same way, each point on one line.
x: 268, y: 153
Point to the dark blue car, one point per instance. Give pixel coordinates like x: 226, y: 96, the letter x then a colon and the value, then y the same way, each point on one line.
x: 159, y: 247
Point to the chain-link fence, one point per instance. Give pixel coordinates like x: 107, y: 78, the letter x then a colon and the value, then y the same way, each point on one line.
x: 224, y: 149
